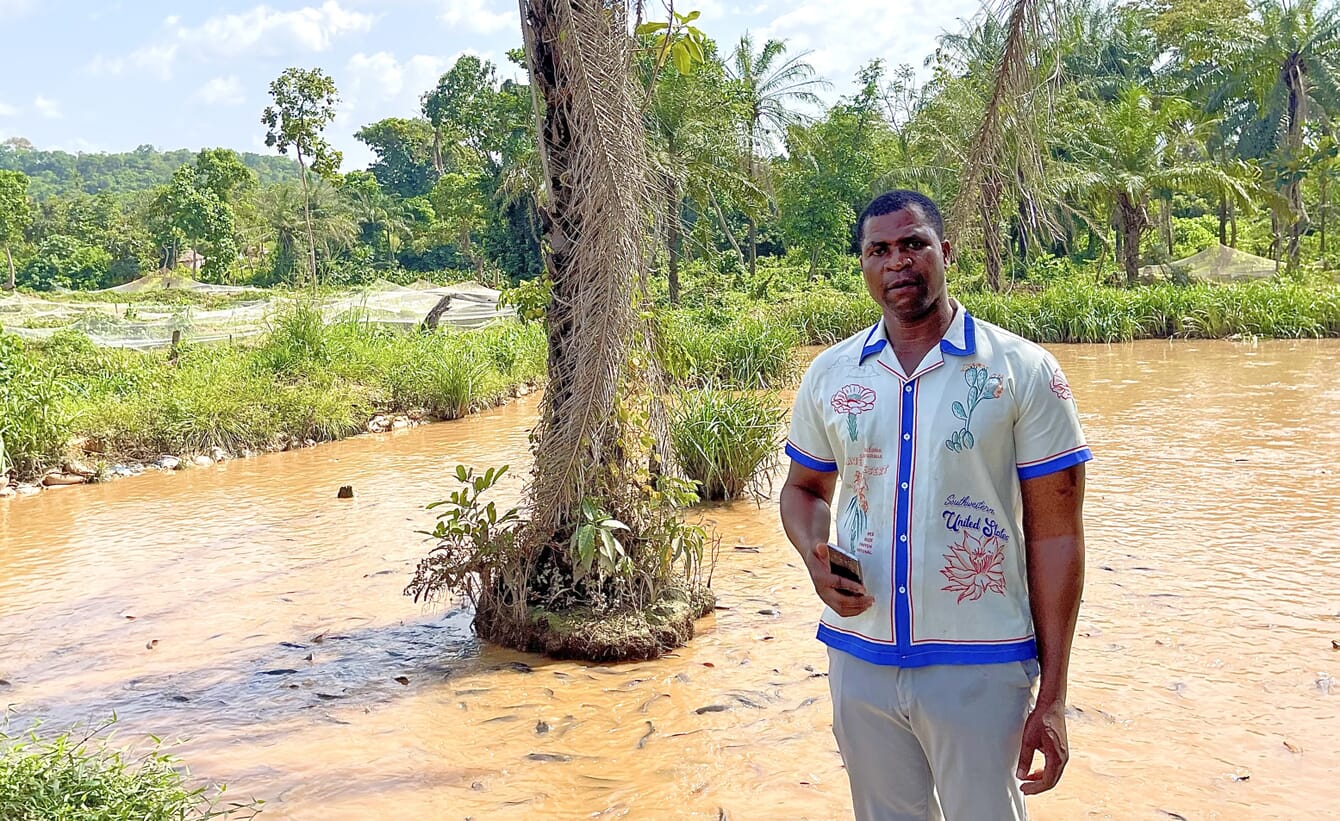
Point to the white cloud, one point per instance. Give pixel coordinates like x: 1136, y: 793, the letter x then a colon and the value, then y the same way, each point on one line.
x: 47, y: 108
x: 480, y: 16
x: 264, y: 31
x: 10, y: 9
x: 221, y: 91
x: 156, y: 59
x: 8, y: 110
x: 258, y: 32
x: 839, y: 33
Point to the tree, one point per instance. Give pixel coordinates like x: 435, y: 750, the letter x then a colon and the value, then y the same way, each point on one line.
x: 463, y: 105
x: 462, y: 210
x: 221, y: 171
x: 769, y: 84
x: 405, y: 155
x: 304, y: 103
x: 14, y: 214
x: 287, y: 212
x: 1271, y: 82
x: 600, y: 546
x: 1137, y: 145
x: 186, y: 212
x: 695, y: 150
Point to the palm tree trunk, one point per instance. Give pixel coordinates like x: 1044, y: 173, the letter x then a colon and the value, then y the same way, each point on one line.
x: 1232, y: 225
x: 991, y: 240
x: 10, y: 258
x: 1133, y: 222
x: 307, y: 217
x: 1223, y: 219
x: 1322, y: 185
x: 753, y: 247
x: 593, y: 151
x: 1296, y: 83
x: 674, y: 235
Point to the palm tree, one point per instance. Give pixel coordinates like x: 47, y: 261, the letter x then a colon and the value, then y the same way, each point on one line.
x: 694, y: 151
x: 769, y: 84
x: 283, y: 210
x: 1137, y: 145
x: 1274, y: 80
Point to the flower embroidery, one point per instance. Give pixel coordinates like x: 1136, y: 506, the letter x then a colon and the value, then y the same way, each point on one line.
x: 974, y: 567
x: 981, y: 385
x: 1060, y: 387
x: 858, y: 509
x: 853, y: 400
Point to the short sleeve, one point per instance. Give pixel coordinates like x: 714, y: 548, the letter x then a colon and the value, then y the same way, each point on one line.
x: 1047, y: 433
x: 808, y: 441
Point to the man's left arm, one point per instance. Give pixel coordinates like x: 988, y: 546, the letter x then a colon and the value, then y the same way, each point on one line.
x: 1054, y: 542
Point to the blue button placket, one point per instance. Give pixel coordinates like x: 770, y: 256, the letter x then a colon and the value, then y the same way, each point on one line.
x: 902, y: 604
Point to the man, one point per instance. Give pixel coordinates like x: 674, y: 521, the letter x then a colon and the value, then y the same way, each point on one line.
x: 962, y: 466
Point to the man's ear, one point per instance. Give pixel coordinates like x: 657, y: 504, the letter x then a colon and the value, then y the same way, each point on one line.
x: 948, y: 251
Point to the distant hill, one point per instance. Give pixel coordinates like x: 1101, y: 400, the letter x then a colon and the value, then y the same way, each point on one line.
x: 57, y: 173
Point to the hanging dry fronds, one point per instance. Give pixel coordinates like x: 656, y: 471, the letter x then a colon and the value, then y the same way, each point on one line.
x: 1006, y: 156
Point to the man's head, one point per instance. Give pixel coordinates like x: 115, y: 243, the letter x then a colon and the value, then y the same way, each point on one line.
x: 903, y: 259
x: 897, y: 200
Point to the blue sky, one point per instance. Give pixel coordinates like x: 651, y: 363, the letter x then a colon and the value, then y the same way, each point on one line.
x: 108, y: 76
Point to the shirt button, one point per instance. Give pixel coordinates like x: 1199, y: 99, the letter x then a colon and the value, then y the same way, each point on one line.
x: 902, y: 538
x: 906, y: 436
x: 904, y: 485
x: 902, y: 590
x: 908, y: 389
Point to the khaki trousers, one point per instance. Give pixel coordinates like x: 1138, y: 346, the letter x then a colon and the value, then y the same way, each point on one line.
x: 931, y: 743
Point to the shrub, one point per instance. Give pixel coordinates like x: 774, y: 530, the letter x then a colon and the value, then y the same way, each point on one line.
x: 726, y: 440
x: 74, y: 779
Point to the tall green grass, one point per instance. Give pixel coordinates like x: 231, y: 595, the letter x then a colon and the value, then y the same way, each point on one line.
x: 304, y: 380
x: 726, y: 440
x: 746, y: 350
x: 69, y: 778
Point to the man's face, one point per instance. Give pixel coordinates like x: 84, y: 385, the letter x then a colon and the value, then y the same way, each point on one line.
x: 903, y: 262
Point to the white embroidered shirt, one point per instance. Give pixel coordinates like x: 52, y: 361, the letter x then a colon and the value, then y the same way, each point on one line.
x: 930, y: 501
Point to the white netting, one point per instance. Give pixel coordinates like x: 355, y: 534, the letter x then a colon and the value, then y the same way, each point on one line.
x: 1218, y: 263
x: 142, y: 323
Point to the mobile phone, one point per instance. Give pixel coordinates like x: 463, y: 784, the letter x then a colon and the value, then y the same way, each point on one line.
x: 841, y: 563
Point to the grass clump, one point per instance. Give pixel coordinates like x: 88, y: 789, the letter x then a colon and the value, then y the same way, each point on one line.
x: 73, y: 778
x: 34, y: 421
x: 726, y: 440
x: 749, y: 350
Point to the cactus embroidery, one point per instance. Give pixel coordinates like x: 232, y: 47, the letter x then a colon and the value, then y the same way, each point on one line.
x: 981, y: 385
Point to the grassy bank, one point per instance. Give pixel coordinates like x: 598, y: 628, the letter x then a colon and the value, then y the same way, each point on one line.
x: 306, y: 381
x: 302, y: 382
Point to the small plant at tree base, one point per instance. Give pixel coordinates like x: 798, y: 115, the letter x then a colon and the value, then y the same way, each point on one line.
x: 530, y: 298
x: 474, y: 540
x: 595, y: 537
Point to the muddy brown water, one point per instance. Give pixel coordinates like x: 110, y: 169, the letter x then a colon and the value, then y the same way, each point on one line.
x: 244, y: 609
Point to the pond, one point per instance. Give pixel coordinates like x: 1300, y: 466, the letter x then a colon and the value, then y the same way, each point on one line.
x: 244, y: 608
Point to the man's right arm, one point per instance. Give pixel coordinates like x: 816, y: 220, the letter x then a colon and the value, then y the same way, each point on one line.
x: 806, y: 511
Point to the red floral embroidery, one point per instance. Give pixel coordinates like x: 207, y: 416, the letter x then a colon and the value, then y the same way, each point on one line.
x: 974, y: 567
x: 1060, y: 387
x: 854, y: 399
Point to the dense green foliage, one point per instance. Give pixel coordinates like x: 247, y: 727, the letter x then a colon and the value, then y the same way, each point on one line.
x: 1168, y: 125
x: 62, y: 174
x: 68, y: 778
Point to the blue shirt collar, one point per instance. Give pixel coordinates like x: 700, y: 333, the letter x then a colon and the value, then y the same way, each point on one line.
x: 960, y: 338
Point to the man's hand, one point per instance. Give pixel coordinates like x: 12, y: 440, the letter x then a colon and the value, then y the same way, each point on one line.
x: 854, y: 601
x: 1044, y: 732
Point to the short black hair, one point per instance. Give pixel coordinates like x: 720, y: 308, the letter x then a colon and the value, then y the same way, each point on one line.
x: 891, y: 202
